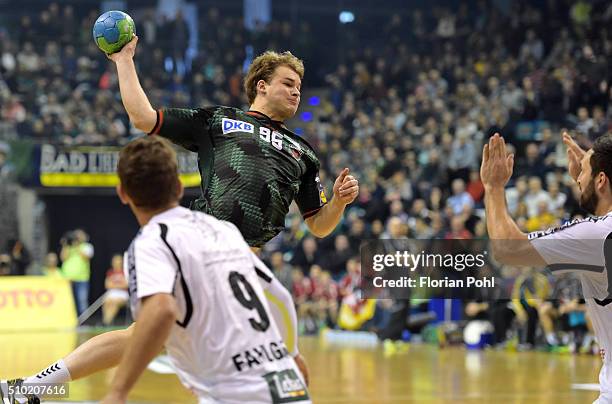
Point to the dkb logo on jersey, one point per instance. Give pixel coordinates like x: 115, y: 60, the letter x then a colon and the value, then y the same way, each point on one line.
x: 231, y: 125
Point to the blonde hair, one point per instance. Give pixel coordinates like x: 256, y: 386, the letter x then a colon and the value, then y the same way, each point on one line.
x: 263, y: 68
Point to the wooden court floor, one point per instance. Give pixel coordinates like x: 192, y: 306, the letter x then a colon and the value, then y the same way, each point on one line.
x: 339, y: 374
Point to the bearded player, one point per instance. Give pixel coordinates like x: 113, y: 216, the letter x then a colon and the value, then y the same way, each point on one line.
x: 582, y: 246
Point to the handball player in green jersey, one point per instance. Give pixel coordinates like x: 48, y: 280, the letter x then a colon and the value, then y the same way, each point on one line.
x: 252, y: 166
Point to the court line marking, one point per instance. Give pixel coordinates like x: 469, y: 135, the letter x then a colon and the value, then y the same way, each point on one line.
x: 586, y: 386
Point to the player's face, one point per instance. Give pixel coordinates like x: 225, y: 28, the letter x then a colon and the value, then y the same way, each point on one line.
x: 588, y: 196
x: 283, y: 91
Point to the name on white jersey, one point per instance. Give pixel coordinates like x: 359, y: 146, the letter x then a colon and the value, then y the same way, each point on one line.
x: 258, y: 355
x: 232, y: 125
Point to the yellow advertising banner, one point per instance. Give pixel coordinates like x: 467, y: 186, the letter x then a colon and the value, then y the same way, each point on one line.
x: 36, y: 303
x: 96, y: 166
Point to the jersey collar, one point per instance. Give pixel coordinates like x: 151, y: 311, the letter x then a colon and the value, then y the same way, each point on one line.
x: 264, y: 117
x: 169, y: 214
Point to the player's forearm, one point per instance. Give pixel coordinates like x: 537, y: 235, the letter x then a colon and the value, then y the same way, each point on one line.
x: 500, y: 224
x: 508, y: 243
x: 326, y: 219
x: 283, y: 308
x: 135, y: 101
x: 155, y: 322
x: 284, y: 316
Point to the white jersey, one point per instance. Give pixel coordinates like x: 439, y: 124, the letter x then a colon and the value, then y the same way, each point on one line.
x: 579, y: 246
x: 225, y: 345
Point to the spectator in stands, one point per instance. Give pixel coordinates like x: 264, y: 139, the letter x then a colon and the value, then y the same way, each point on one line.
x: 352, y: 280
x: 76, y: 255
x: 461, y: 201
x: 336, y: 263
x: 302, y: 292
x: 457, y: 229
x: 6, y: 168
x: 557, y: 198
x: 532, y: 47
x: 543, y: 220
x: 475, y: 188
x: 532, y: 165
x: 396, y: 229
x: 534, y: 196
x: 50, y: 267
x: 516, y: 194
x: 584, y: 123
x: 116, y: 290
x: 462, y: 156
x: 306, y: 255
x: 281, y: 269
x: 326, y: 300
x: 5, y: 264
x: 20, y: 257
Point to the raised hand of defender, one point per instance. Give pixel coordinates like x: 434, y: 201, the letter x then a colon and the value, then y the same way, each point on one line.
x: 127, y: 52
x: 497, y: 165
x: 346, y: 188
x: 574, y: 156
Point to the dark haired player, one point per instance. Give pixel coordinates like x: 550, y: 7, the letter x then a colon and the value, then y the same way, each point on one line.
x: 582, y: 246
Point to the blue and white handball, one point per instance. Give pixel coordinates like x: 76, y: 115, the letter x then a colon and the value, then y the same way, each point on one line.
x: 112, y: 30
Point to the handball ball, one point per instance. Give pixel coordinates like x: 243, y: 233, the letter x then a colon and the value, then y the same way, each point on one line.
x: 113, y: 30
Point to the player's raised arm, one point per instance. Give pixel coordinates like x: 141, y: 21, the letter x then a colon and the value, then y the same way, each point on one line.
x: 509, y: 243
x: 575, y: 154
x: 135, y: 101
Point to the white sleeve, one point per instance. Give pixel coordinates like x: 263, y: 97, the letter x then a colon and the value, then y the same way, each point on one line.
x: 154, y: 266
x: 575, y: 246
x: 281, y: 305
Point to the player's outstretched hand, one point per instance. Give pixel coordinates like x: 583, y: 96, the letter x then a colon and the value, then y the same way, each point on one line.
x: 574, y: 156
x: 127, y: 52
x: 497, y: 165
x: 346, y: 188
x: 301, y: 364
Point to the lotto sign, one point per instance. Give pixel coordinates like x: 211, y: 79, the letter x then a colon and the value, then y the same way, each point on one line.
x: 36, y: 303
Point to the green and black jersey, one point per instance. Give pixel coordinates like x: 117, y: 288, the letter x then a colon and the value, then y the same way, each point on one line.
x: 251, y: 167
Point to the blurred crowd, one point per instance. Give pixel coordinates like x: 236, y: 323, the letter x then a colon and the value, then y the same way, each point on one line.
x: 406, y: 102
